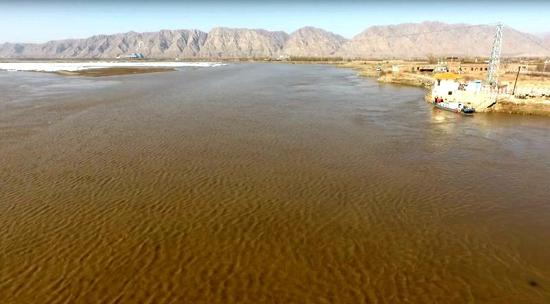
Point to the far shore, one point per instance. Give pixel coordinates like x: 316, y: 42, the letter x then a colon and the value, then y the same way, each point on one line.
x: 112, y: 71
x: 100, y: 67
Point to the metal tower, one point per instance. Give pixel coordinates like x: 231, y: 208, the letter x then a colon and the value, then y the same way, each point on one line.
x: 494, y: 62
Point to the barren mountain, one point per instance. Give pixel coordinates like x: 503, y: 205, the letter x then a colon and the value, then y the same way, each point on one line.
x: 162, y: 44
x: 409, y: 40
x: 435, y: 38
x: 230, y: 43
x: 313, y: 42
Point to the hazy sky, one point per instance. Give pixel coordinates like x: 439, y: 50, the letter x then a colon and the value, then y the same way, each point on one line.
x: 39, y: 21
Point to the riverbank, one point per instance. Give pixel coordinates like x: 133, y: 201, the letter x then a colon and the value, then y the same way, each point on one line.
x: 507, y: 104
x: 532, y: 106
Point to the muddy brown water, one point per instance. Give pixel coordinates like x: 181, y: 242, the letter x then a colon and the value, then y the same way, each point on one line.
x: 264, y: 183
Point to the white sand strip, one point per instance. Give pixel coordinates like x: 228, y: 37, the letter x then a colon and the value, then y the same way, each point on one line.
x: 78, y: 66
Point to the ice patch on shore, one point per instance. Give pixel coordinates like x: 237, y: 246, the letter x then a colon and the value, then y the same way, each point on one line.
x: 79, y: 66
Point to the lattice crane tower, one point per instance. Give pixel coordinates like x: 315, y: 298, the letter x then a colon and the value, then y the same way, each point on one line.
x: 494, y: 62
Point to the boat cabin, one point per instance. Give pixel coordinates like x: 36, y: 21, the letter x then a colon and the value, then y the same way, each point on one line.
x: 445, y: 84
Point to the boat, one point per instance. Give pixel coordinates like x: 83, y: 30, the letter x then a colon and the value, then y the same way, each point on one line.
x: 447, y: 92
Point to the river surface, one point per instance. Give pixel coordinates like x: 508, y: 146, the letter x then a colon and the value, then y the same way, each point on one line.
x: 265, y: 183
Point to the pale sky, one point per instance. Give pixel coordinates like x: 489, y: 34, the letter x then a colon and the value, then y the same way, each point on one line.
x: 40, y: 21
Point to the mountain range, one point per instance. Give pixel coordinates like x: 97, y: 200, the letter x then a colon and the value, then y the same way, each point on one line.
x: 408, y: 40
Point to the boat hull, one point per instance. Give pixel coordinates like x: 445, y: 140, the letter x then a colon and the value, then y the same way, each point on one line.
x: 446, y: 106
x: 442, y: 107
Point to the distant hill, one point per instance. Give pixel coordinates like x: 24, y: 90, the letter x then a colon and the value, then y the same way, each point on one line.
x: 313, y: 42
x: 404, y: 41
x: 409, y: 40
x: 161, y: 44
x: 226, y: 42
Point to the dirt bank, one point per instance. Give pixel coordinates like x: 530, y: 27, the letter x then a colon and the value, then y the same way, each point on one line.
x: 532, y: 106
x: 375, y: 69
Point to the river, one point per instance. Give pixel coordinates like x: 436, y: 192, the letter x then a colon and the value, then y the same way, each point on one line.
x: 254, y: 183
